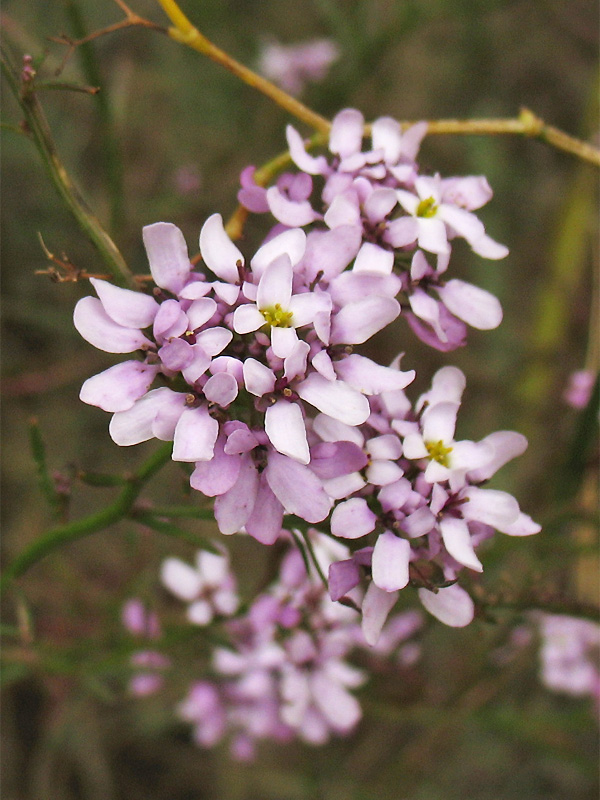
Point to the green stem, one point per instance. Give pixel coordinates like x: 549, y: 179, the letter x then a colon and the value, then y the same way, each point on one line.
x: 72, y: 531
x: 40, y: 132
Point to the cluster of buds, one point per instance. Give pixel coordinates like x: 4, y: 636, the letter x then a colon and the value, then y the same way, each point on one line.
x: 259, y: 387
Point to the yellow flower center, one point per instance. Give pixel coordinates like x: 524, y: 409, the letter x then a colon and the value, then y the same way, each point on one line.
x: 437, y: 452
x: 276, y: 317
x: 427, y: 208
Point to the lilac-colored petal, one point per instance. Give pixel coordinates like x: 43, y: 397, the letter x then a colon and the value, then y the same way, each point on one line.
x: 217, y: 476
x: 414, y: 446
x: 373, y: 258
x: 419, y: 266
x: 177, y: 354
x: 247, y: 318
x: 170, y: 320
x: 283, y: 341
x: 452, y: 605
x: 343, y: 576
x: 305, y: 307
x: 412, y: 138
x: 214, y: 340
x: 295, y: 363
x: 370, y: 378
x: 386, y: 446
x: 241, y: 440
x: 167, y: 255
x: 233, y: 508
x: 457, y: 540
x: 200, y: 311
x: 335, y: 399
x: 462, y: 222
x: 289, y: 212
x: 297, y: 488
x: 350, y: 287
x: 386, y: 135
x: 379, y: 204
x: 475, y: 306
x: 167, y: 415
x: 330, y: 252
x: 97, y: 328
x: 285, y: 427
x: 227, y: 292
x: 252, y: 196
x: 135, y: 425
x: 376, y: 606
x: 302, y: 159
x: 402, y: 232
x: 506, y: 446
x: 258, y: 378
x: 275, y: 287
x: 344, y: 486
x: 220, y: 254
x: 343, y: 212
x: 198, y: 365
x: 221, y: 389
x: 447, y: 386
x: 428, y: 309
x: 264, y: 523
x: 323, y: 364
x: 128, y: 308
x: 490, y: 506
x: 380, y: 473
x: 470, y: 192
x: 195, y: 435
x: 486, y: 247
x: 345, y: 137
x: 408, y: 201
x: 454, y: 329
x: 332, y: 430
x: 352, y: 519
x: 291, y: 242
x: 395, y: 495
x: 200, y: 613
x: 419, y: 522
x: 231, y: 365
x: 117, y: 388
x: 522, y: 526
x: 358, y: 321
x: 195, y: 290
x: 180, y: 579
x: 332, y: 459
x: 341, y: 709
x: 391, y: 556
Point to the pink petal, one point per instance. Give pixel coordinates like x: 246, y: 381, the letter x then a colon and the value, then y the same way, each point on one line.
x: 233, y: 508
x: 131, y: 309
x: 275, y: 286
x: 358, y: 321
x: 258, y: 378
x: 376, y: 606
x: 214, y: 340
x: 200, y: 311
x: 337, y: 705
x: 306, y: 162
x: 457, y: 540
x: 386, y: 135
x: 221, y: 389
x: 452, y: 605
x: 343, y: 576
x: 473, y: 305
x: 286, y: 429
x: 373, y: 258
x: 352, y: 519
x: 167, y: 255
x: 297, y: 488
x: 345, y: 137
x: 117, y: 388
x: 218, y: 251
x: 289, y: 212
x: 283, y: 341
x: 290, y: 243
x: 370, y: 378
x: 391, y: 556
x: 135, y: 425
x: 195, y: 435
x: 335, y: 399
x: 490, y: 506
x: 180, y: 579
x: 97, y: 328
x: 264, y: 523
x: 217, y: 476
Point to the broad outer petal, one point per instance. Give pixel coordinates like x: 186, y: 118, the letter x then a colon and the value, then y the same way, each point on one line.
x: 136, y: 424
x: 473, y: 305
x: 117, y: 388
x: 284, y: 425
x: 343, y: 576
x: 457, y: 540
x: 391, y: 556
x: 491, y: 506
x: 352, y: 519
x: 370, y: 378
x: 297, y: 488
x: 167, y: 255
x: 335, y: 399
x: 376, y: 605
x: 358, y: 321
x: 264, y: 523
x: 233, y: 508
x: 128, y: 308
x: 217, y: 476
x: 258, y: 378
x: 220, y: 254
x: 452, y: 605
x: 97, y: 328
x: 195, y: 435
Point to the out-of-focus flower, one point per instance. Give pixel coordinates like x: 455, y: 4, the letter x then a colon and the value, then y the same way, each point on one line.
x: 579, y: 388
x: 293, y: 66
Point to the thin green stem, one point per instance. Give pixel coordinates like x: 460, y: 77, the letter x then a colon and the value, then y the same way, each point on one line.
x: 39, y: 130
x: 72, y: 531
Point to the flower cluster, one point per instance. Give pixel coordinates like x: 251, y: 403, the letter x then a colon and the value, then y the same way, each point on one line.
x: 260, y: 389
x: 282, y: 671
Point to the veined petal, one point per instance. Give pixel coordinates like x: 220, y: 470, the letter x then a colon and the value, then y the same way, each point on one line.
x: 297, y: 488
x: 457, y: 540
x: 452, y: 605
x: 376, y: 606
x: 195, y: 435
x: 285, y: 427
x: 473, y: 305
x: 128, y: 308
x: 220, y: 254
x: 358, y: 321
x: 391, y: 556
x: 118, y: 387
x: 167, y: 255
x: 97, y: 328
x: 335, y: 399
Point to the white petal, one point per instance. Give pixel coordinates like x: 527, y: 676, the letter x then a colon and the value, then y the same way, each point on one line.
x: 180, y: 579
x: 292, y: 243
x: 247, y: 318
x: 136, y: 424
x: 337, y: 705
x: 439, y: 422
x: 218, y: 251
x: 283, y: 341
x: 372, y: 258
x: 491, y: 506
x: 275, y: 286
x: 345, y: 137
x: 285, y: 427
x: 221, y: 389
x: 167, y: 255
x: 352, y: 519
x: 370, y: 378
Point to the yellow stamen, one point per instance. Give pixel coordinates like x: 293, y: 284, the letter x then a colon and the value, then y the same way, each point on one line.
x: 438, y: 452
x: 276, y: 317
x: 427, y: 208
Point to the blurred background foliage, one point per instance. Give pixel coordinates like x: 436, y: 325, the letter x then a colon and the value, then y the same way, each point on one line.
x: 165, y: 139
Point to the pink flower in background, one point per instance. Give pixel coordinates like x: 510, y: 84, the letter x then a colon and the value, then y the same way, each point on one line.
x: 293, y: 66
x: 579, y: 388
